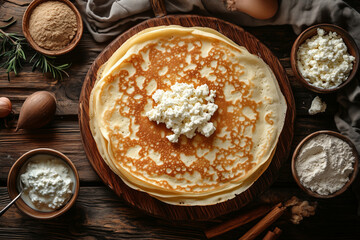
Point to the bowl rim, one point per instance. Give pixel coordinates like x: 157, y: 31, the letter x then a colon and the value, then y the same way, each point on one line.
x: 352, y: 176
x: 13, y: 190
x: 350, y: 44
x: 73, y: 43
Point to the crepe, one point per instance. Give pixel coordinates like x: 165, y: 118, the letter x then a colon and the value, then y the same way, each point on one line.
x: 201, y: 170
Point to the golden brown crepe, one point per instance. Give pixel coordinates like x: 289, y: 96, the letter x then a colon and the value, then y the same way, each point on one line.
x: 202, y: 170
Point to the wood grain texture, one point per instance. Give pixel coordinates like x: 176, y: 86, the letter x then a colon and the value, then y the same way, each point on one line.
x: 158, y: 6
x: 99, y: 213
x: 142, y: 200
x: 62, y: 134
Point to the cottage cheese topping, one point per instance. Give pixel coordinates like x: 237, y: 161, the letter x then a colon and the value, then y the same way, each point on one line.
x: 48, y: 182
x: 324, y: 164
x: 185, y: 110
x: 323, y: 60
x: 317, y: 106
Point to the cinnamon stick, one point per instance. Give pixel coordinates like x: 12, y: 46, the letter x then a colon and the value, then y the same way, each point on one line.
x: 240, y: 220
x: 264, y: 223
x: 273, y: 235
x: 277, y: 231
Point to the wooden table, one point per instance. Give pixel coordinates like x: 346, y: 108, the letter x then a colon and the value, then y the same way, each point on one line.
x: 99, y: 213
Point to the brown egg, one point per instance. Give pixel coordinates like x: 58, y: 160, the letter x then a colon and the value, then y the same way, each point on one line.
x: 5, y: 107
x: 37, y: 110
x: 260, y: 9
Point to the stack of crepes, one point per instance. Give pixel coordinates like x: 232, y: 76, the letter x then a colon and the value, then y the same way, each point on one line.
x: 201, y: 170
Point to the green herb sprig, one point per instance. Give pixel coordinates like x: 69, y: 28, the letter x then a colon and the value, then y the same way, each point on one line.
x: 46, y: 64
x: 12, y: 49
x: 12, y: 55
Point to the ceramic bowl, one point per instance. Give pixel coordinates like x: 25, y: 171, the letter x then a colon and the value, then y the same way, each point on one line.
x: 13, y: 182
x: 312, y: 31
x: 33, y: 44
x: 352, y: 176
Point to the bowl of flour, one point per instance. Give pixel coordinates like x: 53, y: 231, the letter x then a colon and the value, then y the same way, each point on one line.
x: 324, y: 164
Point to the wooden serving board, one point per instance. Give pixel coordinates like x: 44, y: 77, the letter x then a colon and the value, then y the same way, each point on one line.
x: 142, y: 200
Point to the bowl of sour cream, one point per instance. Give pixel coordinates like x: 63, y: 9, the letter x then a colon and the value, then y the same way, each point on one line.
x: 49, y: 180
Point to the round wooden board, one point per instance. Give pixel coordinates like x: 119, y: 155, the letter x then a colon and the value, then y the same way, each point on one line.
x: 142, y: 200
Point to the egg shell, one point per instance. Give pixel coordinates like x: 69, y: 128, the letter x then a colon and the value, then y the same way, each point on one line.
x: 5, y: 107
x: 260, y: 9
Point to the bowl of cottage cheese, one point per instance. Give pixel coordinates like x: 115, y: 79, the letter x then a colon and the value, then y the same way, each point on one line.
x: 324, y: 164
x: 49, y: 181
x: 324, y: 58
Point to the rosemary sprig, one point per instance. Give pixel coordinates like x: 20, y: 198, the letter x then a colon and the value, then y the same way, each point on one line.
x: 12, y: 49
x: 46, y: 64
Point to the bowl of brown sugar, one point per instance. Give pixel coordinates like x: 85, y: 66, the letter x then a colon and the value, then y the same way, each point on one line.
x: 52, y: 27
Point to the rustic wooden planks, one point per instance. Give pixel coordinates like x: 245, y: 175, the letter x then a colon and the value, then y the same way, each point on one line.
x: 99, y: 213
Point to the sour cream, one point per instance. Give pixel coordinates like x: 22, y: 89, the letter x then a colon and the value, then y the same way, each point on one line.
x: 48, y: 182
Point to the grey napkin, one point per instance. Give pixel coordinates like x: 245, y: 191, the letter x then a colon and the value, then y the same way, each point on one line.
x: 106, y: 19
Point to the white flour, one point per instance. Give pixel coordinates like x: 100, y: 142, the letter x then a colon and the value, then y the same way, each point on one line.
x: 324, y: 164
